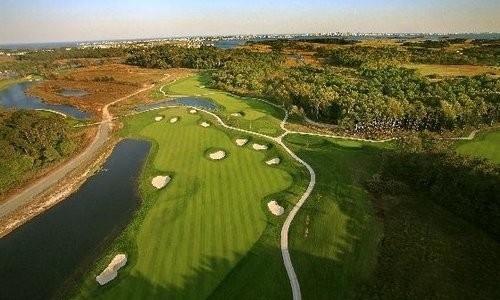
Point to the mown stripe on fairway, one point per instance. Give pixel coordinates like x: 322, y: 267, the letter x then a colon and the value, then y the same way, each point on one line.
x: 204, y: 221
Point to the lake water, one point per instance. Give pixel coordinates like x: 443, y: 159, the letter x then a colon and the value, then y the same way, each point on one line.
x: 188, y: 101
x: 56, y: 248
x: 72, y: 93
x: 15, y: 97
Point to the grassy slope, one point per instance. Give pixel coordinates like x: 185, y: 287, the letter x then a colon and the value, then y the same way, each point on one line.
x: 207, y: 218
x: 416, y: 250
x: 485, y: 145
x: 334, y: 236
x: 429, y: 253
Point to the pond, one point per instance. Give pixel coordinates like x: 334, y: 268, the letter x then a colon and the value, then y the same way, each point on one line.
x: 55, y: 249
x: 72, y: 93
x: 15, y: 97
x: 188, y: 101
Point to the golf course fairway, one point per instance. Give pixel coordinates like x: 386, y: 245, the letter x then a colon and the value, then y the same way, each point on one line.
x: 190, y: 234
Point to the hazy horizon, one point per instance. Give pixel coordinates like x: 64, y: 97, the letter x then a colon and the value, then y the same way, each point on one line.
x: 41, y: 21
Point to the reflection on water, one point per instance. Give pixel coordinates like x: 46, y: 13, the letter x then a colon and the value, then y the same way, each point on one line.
x: 15, y: 97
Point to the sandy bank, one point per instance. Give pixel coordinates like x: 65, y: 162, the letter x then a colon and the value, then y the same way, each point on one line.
x: 160, y: 182
x: 217, y: 155
x: 241, y: 142
x: 111, y: 271
x: 275, y: 208
x: 273, y: 161
x: 259, y: 146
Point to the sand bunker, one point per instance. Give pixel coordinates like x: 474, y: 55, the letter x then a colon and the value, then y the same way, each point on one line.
x: 259, y: 146
x: 241, y: 142
x: 174, y: 119
x: 111, y: 271
x: 217, y: 155
x: 236, y: 114
x: 205, y: 124
x: 160, y: 181
x: 158, y: 119
x: 275, y: 208
x: 193, y: 111
x: 273, y: 161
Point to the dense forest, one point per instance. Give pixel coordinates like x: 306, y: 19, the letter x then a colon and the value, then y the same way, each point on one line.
x: 30, y: 141
x: 369, y: 99
x: 174, y: 57
x: 359, y: 88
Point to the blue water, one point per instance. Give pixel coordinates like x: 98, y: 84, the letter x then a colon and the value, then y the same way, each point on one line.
x: 49, y: 254
x: 15, y: 97
x: 188, y: 101
x: 72, y: 93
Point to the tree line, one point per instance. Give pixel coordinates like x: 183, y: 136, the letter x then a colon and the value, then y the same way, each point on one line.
x: 167, y: 56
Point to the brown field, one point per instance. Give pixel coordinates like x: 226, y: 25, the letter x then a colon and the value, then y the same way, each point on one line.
x: 103, y: 84
x: 257, y: 48
x: 454, y: 70
x: 5, y: 58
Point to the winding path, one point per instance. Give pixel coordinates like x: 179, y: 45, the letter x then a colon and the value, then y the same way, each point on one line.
x: 59, y: 174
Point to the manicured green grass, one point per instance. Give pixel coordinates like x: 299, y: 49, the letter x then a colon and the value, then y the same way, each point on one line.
x: 340, y: 248
x: 334, y: 236
x: 190, y: 235
x: 485, y: 145
x: 192, y: 86
x: 256, y: 115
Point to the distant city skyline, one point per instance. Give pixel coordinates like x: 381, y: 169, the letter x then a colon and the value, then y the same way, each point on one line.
x: 29, y: 21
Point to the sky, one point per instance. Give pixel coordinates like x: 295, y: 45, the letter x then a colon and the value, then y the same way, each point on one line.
x: 27, y: 21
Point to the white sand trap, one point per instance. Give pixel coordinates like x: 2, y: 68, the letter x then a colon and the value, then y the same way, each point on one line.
x: 236, y: 114
x: 273, y: 161
x: 174, y: 119
x: 158, y: 119
x: 111, y: 270
x: 259, y: 146
x: 275, y: 208
x: 217, y: 155
x: 205, y: 124
x: 160, y: 182
x: 241, y: 142
x: 193, y: 111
